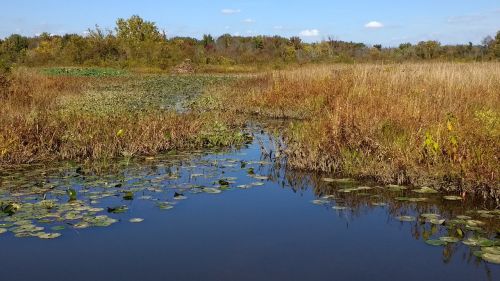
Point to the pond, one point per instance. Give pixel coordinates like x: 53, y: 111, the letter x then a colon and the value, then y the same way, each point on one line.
x: 235, y: 215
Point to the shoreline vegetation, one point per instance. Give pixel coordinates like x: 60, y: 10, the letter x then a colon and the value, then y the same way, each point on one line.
x: 423, y: 115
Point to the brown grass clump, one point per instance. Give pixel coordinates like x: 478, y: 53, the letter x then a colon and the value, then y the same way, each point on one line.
x: 410, y: 123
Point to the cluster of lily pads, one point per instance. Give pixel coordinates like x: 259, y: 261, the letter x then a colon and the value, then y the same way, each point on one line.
x: 30, y: 207
x: 466, y: 228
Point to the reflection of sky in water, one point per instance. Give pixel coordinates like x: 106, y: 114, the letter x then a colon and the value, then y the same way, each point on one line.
x: 268, y: 232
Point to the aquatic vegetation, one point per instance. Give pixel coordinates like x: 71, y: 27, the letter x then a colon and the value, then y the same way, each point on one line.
x: 86, y: 72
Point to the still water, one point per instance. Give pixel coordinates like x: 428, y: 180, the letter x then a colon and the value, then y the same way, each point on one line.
x: 235, y: 215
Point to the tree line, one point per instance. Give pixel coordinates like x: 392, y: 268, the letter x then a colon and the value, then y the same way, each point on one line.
x: 136, y: 42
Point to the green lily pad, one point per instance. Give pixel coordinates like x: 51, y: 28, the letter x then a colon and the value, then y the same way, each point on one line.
x: 3, y: 230
x: 117, y: 209
x: 436, y: 242
x: 136, y: 220
x: 492, y: 250
x: 437, y: 221
x: 45, y: 235
x: 58, y: 228
x: 211, y: 190
x: 449, y: 239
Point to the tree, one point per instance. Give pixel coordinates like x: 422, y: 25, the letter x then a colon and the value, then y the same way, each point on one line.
x: 135, y: 30
x: 428, y: 49
x: 495, y: 46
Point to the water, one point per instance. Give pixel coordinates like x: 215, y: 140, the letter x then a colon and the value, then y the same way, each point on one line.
x: 270, y: 231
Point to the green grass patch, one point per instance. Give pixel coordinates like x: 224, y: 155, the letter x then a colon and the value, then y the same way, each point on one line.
x: 83, y: 72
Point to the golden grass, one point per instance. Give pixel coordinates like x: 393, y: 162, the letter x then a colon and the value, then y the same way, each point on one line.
x: 409, y: 123
x: 38, y: 124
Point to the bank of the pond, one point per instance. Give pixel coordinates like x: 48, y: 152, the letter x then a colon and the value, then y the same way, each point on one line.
x: 434, y: 124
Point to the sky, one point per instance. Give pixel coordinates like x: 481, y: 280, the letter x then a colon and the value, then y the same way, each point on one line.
x: 386, y: 22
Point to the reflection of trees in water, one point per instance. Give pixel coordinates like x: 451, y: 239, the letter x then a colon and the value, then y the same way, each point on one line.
x: 361, y: 202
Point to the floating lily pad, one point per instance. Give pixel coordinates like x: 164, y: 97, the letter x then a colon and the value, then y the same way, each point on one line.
x: 3, y: 230
x: 58, y: 228
x: 164, y: 205
x: 339, y: 208
x: 491, y: 258
x: 437, y: 221
x: 495, y: 250
x: 211, y: 190
x: 406, y: 218
x: 449, y: 239
x: 430, y: 216
x: 117, y: 209
x: 436, y: 242
x: 45, y: 235
x: 136, y: 220
x: 320, y: 202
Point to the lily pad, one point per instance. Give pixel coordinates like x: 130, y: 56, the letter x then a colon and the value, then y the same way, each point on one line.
x: 436, y: 242
x: 136, y: 220
x: 491, y: 258
x: 45, y: 235
x: 211, y: 190
x: 449, y: 239
x: 406, y: 218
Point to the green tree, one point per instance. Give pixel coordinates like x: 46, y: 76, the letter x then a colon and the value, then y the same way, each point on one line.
x: 135, y: 30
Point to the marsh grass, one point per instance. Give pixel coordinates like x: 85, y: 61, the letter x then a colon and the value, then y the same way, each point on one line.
x: 47, y: 117
x: 434, y: 123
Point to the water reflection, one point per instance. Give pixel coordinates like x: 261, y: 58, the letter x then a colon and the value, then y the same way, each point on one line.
x: 37, y: 202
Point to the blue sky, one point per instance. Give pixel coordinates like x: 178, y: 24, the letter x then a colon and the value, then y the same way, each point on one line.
x: 388, y: 22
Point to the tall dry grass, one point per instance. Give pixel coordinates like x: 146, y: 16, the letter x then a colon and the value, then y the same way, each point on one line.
x: 432, y: 123
x: 37, y: 126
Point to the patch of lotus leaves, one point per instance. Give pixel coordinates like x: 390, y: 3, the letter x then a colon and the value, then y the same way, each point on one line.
x: 406, y: 218
x: 136, y: 220
x: 3, y: 230
x: 260, y: 177
x: 257, y: 183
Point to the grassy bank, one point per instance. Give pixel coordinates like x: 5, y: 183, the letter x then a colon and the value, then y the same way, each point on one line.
x: 88, y: 115
x: 434, y: 124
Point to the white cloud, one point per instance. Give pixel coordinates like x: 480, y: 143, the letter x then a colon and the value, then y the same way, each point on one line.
x: 248, y: 20
x: 374, y: 24
x: 230, y: 11
x: 309, y: 33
